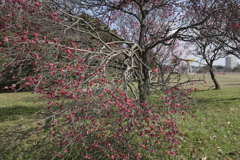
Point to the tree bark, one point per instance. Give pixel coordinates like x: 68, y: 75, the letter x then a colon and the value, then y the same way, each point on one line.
x: 142, y: 92
x: 144, y: 83
x: 217, y: 86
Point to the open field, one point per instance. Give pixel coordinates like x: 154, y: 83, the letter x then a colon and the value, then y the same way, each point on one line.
x: 214, y: 132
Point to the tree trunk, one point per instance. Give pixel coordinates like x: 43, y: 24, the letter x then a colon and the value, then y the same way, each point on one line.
x: 144, y: 83
x: 217, y: 86
x: 142, y: 92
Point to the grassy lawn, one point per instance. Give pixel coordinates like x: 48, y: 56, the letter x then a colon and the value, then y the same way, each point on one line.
x: 16, y: 110
x: 214, y: 132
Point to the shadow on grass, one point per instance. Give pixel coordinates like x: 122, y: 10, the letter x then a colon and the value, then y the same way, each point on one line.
x: 238, y: 84
x: 227, y: 100
x: 22, y: 142
x: 14, y: 113
x: 2, y: 91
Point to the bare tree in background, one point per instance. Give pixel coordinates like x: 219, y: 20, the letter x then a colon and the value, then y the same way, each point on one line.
x: 217, y: 37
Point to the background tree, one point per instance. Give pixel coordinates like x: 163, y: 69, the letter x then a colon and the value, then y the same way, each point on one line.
x: 236, y: 69
x: 210, y: 52
x: 212, y: 38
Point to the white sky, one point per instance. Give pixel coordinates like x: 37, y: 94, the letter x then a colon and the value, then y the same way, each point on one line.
x: 220, y: 61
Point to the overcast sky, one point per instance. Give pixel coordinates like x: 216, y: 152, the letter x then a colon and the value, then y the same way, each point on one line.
x: 218, y: 62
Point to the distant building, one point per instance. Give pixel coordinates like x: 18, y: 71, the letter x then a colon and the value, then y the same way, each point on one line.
x: 189, y: 69
x: 186, y: 69
x: 195, y: 69
x: 231, y: 62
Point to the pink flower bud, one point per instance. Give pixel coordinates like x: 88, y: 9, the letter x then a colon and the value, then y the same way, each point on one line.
x: 5, y: 40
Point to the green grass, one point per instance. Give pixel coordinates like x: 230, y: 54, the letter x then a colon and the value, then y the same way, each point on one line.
x: 214, y: 131
x: 16, y: 106
x: 16, y: 111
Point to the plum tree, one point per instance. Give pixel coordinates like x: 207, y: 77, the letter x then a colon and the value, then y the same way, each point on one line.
x: 94, y: 80
x: 217, y: 37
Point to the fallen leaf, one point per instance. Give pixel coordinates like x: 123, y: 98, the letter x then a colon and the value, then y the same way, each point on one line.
x: 220, y: 151
x: 212, y: 137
